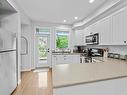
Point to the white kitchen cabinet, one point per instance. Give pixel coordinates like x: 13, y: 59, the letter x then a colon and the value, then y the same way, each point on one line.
x: 112, y: 29
x: 119, y: 28
x: 86, y: 33
x: 79, y: 37
x: 57, y: 59
x: 105, y: 31
x: 103, y: 27
x: 68, y: 59
x: 65, y: 59
x: 75, y: 59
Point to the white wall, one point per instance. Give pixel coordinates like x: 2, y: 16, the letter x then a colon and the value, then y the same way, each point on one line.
x: 26, y: 60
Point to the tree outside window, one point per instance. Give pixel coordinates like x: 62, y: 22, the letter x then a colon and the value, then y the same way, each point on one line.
x: 62, y: 39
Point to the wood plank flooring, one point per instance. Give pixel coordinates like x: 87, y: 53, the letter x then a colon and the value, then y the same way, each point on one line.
x: 35, y: 83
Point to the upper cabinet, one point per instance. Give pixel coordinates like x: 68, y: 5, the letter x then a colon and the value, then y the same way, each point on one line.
x: 104, y: 30
x: 112, y: 30
x: 79, y: 37
x: 103, y: 27
x: 119, y: 28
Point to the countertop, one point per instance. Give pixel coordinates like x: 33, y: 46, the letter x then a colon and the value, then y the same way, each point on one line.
x: 73, y: 74
x: 67, y: 53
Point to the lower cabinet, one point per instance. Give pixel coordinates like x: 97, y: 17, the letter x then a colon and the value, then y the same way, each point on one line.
x: 65, y: 59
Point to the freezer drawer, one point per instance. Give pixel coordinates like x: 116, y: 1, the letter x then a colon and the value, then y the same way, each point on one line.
x: 8, y: 72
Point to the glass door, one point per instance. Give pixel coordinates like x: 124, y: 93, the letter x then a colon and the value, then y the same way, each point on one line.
x: 43, y: 48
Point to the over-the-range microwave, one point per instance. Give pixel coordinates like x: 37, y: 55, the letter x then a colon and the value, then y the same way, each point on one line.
x: 92, y: 39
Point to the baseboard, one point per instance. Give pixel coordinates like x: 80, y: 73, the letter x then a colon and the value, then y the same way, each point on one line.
x: 25, y: 70
x: 19, y: 82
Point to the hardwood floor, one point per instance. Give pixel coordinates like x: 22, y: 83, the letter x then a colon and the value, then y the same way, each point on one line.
x: 35, y: 83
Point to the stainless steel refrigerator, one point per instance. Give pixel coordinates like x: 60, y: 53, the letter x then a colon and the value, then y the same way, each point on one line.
x: 8, y: 66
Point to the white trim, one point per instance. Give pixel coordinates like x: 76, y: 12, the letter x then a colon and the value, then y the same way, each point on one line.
x: 39, y: 35
x: 26, y: 70
x: 66, y: 30
x: 19, y: 82
x: 114, y: 13
x: 98, y: 13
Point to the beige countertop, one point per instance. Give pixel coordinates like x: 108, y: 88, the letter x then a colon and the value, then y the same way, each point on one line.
x: 73, y: 74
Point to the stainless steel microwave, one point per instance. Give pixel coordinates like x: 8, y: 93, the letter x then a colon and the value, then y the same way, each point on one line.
x: 92, y: 39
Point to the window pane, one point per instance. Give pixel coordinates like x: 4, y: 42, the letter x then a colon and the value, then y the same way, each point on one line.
x: 62, y: 39
x: 42, y: 48
x: 43, y: 31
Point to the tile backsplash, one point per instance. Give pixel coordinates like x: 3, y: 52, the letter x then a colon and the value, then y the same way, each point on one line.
x: 121, y: 49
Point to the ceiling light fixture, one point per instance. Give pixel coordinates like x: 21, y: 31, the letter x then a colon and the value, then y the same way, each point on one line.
x: 76, y: 18
x: 91, y: 1
x: 65, y: 20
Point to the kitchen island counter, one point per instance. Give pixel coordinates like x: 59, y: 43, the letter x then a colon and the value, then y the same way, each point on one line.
x: 73, y: 74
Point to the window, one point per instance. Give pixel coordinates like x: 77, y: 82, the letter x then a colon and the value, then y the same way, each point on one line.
x: 43, y: 31
x: 62, y: 39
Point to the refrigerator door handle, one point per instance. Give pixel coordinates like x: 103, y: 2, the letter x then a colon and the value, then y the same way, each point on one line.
x: 7, y: 51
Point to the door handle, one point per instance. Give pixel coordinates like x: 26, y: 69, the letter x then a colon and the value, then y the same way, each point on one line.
x: 48, y: 50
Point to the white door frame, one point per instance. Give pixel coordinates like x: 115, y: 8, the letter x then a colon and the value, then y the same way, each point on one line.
x: 36, y: 55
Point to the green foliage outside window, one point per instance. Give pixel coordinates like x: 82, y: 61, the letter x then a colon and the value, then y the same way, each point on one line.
x: 42, y: 48
x: 42, y: 52
x: 62, y: 42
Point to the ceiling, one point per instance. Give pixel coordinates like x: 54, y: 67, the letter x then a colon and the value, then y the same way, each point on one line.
x: 56, y: 11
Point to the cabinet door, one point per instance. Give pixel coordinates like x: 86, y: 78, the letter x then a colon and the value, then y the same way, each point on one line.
x: 54, y: 59
x: 68, y: 59
x: 103, y: 27
x: 120, y: 28
x: 79, y: 37
x: 76, y: 59
x: 60, y: 59
x: 105, y: 32
x: 71, y: 59
x: 86, y: 33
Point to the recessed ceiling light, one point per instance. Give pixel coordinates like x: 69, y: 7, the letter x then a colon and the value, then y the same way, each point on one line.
x: 91, y: 1
x: 76, y: 18
x: 65, y: 20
